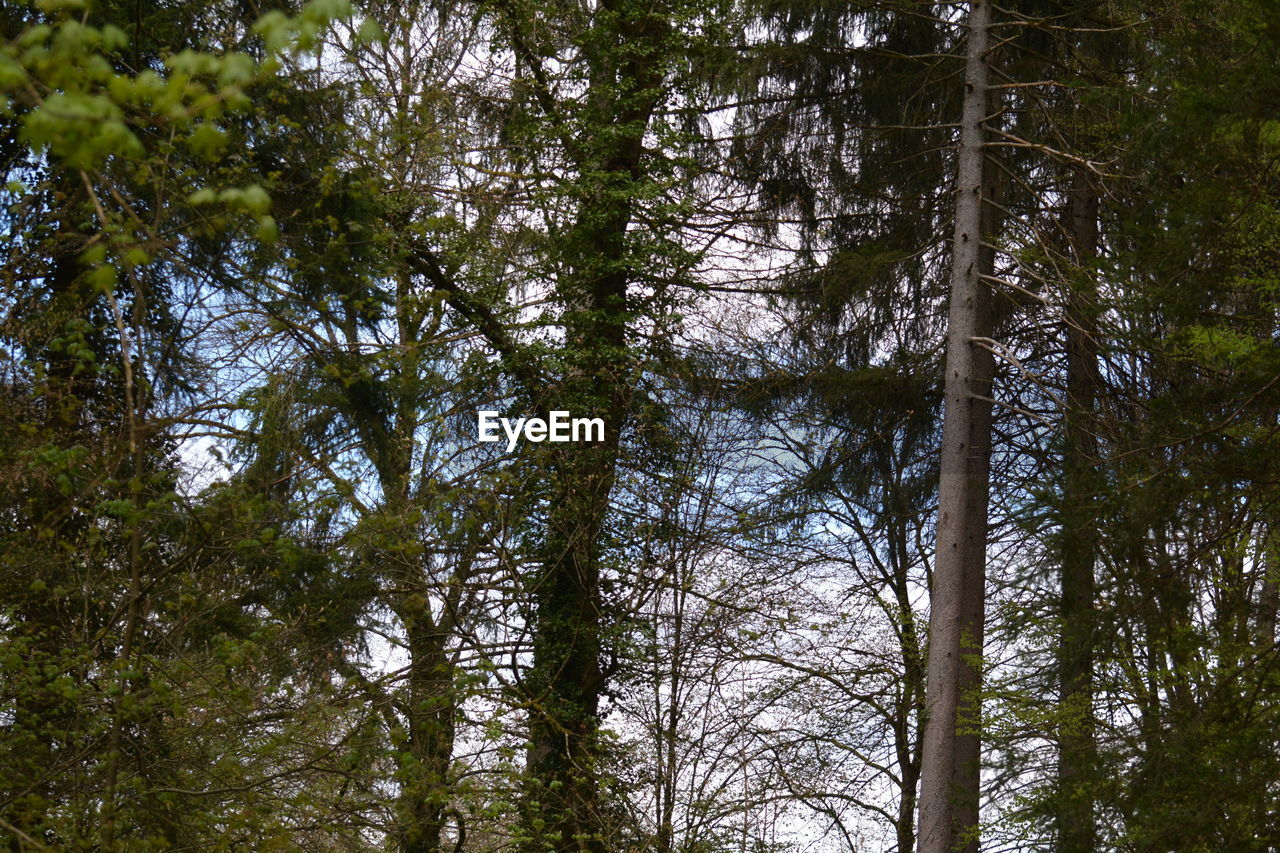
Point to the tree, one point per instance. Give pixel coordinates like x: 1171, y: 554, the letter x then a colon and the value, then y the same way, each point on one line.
x: 608, y: 277
x: 263, y: 587
x: 127, y: 650
x: 949, y: 776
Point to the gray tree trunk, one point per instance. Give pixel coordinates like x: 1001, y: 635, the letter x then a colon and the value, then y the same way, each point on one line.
x: 949, y: 779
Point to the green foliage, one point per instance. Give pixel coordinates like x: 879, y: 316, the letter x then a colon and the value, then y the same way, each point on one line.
x: 311, y: 240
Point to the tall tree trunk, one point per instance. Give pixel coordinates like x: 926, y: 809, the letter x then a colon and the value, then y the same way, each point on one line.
x: 973, y: 627
x: 565, y: 682
x: 1077, y: 748
x: 425, y: 727
x: 624, y: 49
x: 949, y: 779
x: 562, y: 793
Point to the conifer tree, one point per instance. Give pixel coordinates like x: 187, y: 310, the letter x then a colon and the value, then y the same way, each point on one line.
x: 949, y: 780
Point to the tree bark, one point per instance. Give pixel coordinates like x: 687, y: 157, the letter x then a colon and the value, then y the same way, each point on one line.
x: 425, y: 728
x: 624, y: 51
x: 1077, y: 748
x: 432, y: 702
x: 949, y: 781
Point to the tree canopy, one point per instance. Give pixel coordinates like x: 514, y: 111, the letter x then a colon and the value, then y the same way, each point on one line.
x: 934, y: 353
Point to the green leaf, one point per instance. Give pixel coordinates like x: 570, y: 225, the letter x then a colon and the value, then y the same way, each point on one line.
x: 370, y: 32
